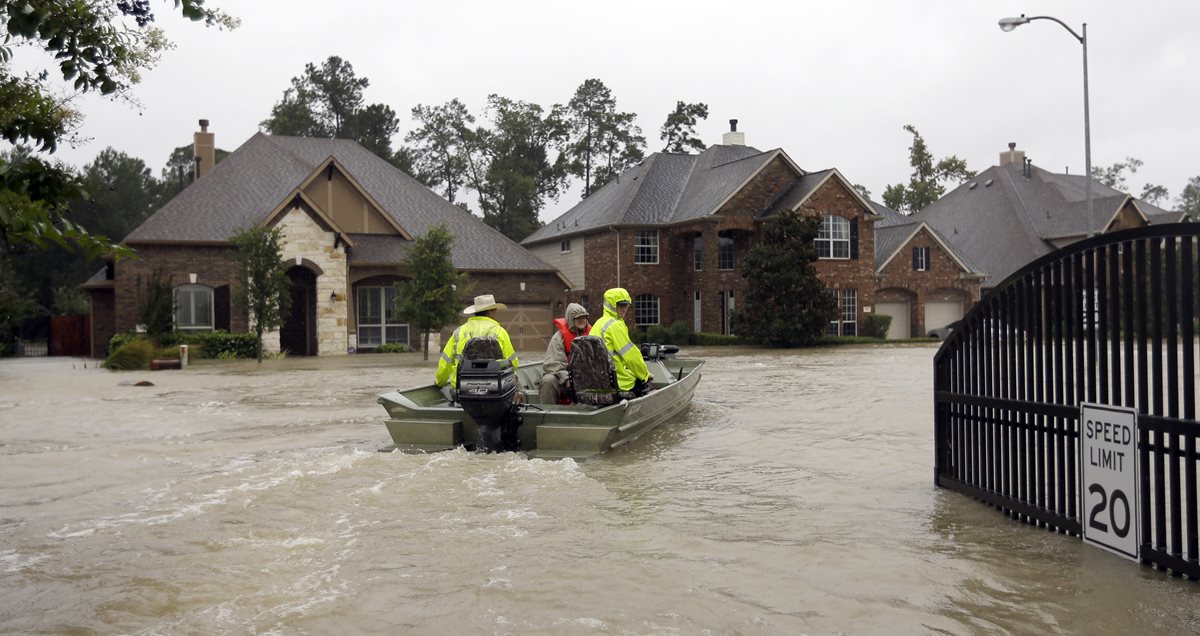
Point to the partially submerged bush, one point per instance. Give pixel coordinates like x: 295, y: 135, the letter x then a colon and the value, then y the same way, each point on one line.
x: 392, y: 347
x: 201, y: 344
x: 224, y: 345
x: 876, y: 325
x: 135, y: 353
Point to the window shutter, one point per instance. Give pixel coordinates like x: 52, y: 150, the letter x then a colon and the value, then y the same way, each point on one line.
x: 916, y: 253
x: 854, y: 239
x: 221, y: 308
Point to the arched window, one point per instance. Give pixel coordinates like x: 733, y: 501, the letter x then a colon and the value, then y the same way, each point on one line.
x: 724, y: 252
x: 193, y: 308
x: 645, y: 310
x: 833, y: 239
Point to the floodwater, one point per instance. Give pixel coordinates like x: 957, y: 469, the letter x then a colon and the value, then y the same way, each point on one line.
x: 795, y: 496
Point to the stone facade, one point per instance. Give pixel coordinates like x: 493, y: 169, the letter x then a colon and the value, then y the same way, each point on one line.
x: 307, y: 244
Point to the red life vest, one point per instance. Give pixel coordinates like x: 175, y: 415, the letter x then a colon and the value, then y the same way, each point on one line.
x: 567, y: 334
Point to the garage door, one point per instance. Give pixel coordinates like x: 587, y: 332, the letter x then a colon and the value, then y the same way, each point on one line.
x: 899, y: 313
x: 940, y: 314
x: 529, y: 326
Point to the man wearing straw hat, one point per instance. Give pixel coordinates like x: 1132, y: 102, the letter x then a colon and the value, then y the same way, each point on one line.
x: 481, y: 324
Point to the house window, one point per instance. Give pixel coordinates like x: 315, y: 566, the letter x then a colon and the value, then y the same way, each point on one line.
x: 377, y: 320
x: 920, y: 259
x: 846, y: 323
x: 724, y: 253
x: 645, y: 310
x: 565, y: 246
x: 645, y: 247
x: 833, y: 239
x: 194, y: 308
x: 698, y: 251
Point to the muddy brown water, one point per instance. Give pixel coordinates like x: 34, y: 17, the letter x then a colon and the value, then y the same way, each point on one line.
x: 795, y: 496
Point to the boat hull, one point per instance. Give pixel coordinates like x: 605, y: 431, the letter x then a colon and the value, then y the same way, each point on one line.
x: 420, y: 419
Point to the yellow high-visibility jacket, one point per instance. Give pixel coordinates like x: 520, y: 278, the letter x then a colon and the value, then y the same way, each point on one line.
x: 474, y: 327
x: 627, y: 357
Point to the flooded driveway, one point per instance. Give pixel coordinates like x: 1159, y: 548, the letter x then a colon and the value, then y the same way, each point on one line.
x: 794, y: 496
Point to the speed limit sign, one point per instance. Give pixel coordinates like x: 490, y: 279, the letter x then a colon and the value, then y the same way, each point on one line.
x: 1108, y: 486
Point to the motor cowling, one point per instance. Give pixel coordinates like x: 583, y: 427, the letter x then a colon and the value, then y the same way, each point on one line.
x: 652, y: 351
x: 487, y: 390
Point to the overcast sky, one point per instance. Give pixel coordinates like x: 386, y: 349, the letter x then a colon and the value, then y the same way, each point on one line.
x: 832, y: 83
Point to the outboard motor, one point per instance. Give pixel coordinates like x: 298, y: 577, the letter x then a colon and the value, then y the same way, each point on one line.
x: 651, y: 351
x: 486, y: 390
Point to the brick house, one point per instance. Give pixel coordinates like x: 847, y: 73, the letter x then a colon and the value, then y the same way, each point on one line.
x: 988, y: 228
x: 672, y: 228
x: 1015, y: 212
x: 347, y: 219
x: 923, y: 283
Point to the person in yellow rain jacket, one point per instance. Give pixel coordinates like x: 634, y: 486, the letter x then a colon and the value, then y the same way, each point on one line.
x: 632, y: 374
x: 481, y: 324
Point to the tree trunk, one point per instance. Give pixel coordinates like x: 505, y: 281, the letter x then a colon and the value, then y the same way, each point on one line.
x: 258, y: 342
x: 425, y: 347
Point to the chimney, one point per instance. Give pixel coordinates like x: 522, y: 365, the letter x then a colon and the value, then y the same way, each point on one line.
x: 733, y: 137
x: 204, y: 151
x: 1012, y: 155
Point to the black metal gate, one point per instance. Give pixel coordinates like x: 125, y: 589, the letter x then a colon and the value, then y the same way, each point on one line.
x: 1109, y: 320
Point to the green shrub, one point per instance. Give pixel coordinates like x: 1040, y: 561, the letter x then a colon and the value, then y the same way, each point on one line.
x: 846, y: 340
x: 653, y: 333
x: 717, y: 340
x: 392, y: 347
x: 679, y: 333
x: 133, y: 354
x: 164, y: 353
x: 876, y: 325
x: 223, y: 345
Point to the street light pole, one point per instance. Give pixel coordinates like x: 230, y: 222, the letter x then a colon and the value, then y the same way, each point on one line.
x: 1008, y: 24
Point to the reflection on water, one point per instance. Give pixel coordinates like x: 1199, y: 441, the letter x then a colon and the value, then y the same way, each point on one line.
x: 794, y: 496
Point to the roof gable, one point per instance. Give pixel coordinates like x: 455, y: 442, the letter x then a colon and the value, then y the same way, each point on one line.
x: 343, y: 200
x: 825, y: 177
x: 266, y: 172
x: 950, y: 251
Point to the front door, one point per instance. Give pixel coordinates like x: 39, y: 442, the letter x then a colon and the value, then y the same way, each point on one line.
x: 298, y: 336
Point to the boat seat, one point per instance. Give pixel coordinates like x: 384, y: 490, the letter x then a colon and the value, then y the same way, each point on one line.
x: 592, y: 373
x: 482, y: 348
x: 479, y: 348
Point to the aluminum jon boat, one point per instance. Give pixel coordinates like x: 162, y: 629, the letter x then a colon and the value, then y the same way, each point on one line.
x: 486, y: 417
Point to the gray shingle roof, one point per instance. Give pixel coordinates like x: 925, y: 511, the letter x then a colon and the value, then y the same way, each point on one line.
x: 244, y: 188
x: 1002, y: 220
x: 665, y: 188
x: 800, y: 190
x: 891, y: 217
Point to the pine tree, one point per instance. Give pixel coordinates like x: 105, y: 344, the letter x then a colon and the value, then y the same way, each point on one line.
x: 927, y: 183
x: 679, y: 131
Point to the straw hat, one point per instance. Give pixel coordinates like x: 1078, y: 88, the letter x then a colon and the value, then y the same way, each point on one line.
x: 484, y: 303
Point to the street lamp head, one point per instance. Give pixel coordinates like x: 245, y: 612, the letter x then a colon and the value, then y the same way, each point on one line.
x: 1008, y: 24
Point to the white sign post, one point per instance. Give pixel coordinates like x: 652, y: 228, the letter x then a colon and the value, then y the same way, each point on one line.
x: 1108, y: 460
